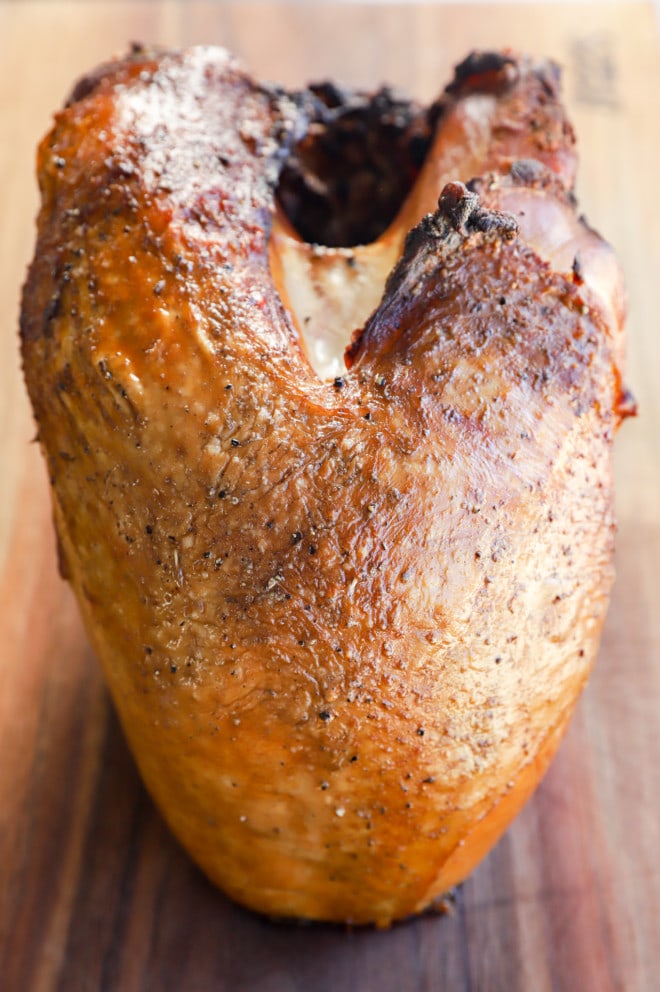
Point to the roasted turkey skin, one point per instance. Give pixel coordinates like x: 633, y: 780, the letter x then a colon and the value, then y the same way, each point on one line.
x: 344, y: 621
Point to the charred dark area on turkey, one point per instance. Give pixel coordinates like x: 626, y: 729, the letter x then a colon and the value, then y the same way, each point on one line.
x: 461, y: 208
x: 459, y: 214
x: 427, y: 248
x: 346, y: 179
x: 490, y: 71
x: 495, y: 72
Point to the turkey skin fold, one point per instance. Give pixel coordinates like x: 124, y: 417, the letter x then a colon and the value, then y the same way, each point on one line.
x: 327, y: 385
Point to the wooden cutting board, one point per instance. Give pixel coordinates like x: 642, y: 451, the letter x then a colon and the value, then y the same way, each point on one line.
x: 94, y: 893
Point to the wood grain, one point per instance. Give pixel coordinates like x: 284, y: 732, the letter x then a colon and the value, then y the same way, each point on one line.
x: 94, y: 893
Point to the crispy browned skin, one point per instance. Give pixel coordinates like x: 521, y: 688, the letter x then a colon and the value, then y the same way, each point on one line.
x: 344, y: 625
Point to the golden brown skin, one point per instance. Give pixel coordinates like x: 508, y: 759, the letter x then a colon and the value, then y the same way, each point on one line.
x: 344, y: 624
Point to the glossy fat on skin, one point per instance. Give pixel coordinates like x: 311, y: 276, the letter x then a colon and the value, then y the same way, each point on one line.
x: 344, y: 628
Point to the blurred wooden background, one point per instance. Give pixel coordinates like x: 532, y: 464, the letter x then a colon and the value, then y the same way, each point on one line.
x: 94, y: 894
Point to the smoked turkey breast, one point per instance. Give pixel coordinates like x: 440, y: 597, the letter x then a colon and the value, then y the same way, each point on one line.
x: 327, y: 384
